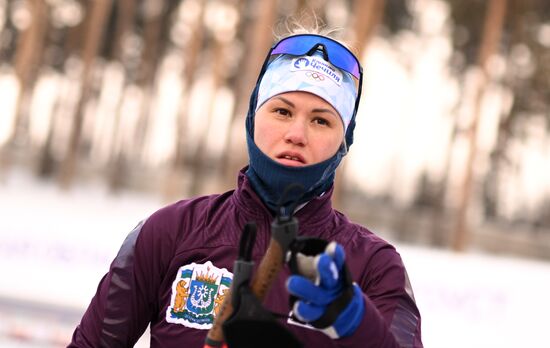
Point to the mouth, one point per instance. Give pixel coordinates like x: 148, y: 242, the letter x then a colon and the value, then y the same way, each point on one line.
x: 291, y: 159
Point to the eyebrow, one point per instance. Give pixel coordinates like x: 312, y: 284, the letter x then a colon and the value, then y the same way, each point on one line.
x: 286, y: 101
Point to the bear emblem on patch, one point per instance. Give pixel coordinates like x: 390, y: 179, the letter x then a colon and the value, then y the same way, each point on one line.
x: 197, y: 295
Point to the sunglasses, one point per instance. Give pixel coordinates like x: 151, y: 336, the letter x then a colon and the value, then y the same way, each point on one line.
x: 333, y: 51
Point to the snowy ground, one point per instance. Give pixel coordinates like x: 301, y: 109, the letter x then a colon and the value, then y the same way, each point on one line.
x: 55, y: 246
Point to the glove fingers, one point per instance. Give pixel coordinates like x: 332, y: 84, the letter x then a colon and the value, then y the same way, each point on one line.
x: 305, y: 289
x: 327, y: 270
x: 307, y: 312
x: 336, y: 251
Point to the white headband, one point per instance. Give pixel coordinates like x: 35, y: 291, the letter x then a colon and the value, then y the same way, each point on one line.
x: 310, y: 74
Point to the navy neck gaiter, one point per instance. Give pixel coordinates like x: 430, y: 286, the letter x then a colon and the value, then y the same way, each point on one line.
x: 270, y: 179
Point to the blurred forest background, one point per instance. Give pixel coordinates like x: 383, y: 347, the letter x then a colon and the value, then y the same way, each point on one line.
x: 452, y: 145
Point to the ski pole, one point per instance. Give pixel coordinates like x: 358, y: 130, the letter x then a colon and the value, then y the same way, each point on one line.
x: 283, y: 231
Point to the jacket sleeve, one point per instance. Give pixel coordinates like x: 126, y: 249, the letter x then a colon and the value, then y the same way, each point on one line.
x: 126, y: 298
x: 391, y: 318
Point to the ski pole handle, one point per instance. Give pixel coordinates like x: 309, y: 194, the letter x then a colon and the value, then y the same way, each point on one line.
x: 242, y: 271
x: 268, y: 269
x: 283, y: 232
x: 214, y: 338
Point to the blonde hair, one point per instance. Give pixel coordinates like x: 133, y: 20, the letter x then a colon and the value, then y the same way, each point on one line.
x: 309, y: 24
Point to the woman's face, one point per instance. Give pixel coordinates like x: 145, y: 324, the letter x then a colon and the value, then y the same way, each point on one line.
x: 298, y: 129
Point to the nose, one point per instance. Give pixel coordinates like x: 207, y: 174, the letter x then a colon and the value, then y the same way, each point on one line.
x: 296, y: 133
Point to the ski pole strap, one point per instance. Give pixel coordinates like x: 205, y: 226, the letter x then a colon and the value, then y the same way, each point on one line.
x: 284, y: 231
x: 246, y: 243
x: 335, y: 308
x: 242, y: 271
x: 243, y: 266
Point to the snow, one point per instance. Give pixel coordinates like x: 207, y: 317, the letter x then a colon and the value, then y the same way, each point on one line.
x: 476, y: 300
x: 56, y: 245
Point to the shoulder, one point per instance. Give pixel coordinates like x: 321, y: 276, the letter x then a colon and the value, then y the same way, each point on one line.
x: 356, y: 236
x: 195, y: 208
x: 368, y: 252
x: 172, y: 221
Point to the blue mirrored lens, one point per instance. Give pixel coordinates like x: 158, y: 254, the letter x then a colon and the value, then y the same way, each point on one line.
x: 338, y: 55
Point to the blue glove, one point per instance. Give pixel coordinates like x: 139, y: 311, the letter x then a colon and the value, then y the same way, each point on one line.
x: 329, y: 302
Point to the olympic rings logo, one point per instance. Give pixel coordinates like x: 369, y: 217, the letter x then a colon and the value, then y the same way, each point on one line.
x: 315, y: 76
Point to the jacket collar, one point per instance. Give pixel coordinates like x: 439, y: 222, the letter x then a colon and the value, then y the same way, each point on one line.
x: 317, y: 211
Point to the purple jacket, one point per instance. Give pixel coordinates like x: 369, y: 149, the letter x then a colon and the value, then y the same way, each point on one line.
x: 172, y: 272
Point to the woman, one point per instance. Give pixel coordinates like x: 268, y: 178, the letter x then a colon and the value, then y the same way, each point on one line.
x: 175, y: 268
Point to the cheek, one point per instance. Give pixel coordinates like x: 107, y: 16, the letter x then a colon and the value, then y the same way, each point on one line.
x: 328, y: 146
x: 263, y: 132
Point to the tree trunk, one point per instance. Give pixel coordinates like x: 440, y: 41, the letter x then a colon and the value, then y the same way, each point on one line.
x: 258, y: 39
x: 157, y: 21
x: 494, y: 20
x: 153, y: 33
x: 173, y: 185
x: 126, y: 11
x: 367, y: 17
x: 117, y: 165
x: 202, y: 160
x: 100, y: 10
x: 27, y: 59
x: 519, y: 30
x: 310, y: 13
x: 68, y: 43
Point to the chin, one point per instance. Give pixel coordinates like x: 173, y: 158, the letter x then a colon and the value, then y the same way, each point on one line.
x: 289, y: 163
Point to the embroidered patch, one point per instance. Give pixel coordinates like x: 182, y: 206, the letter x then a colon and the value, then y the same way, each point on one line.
x: 197, y: 295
